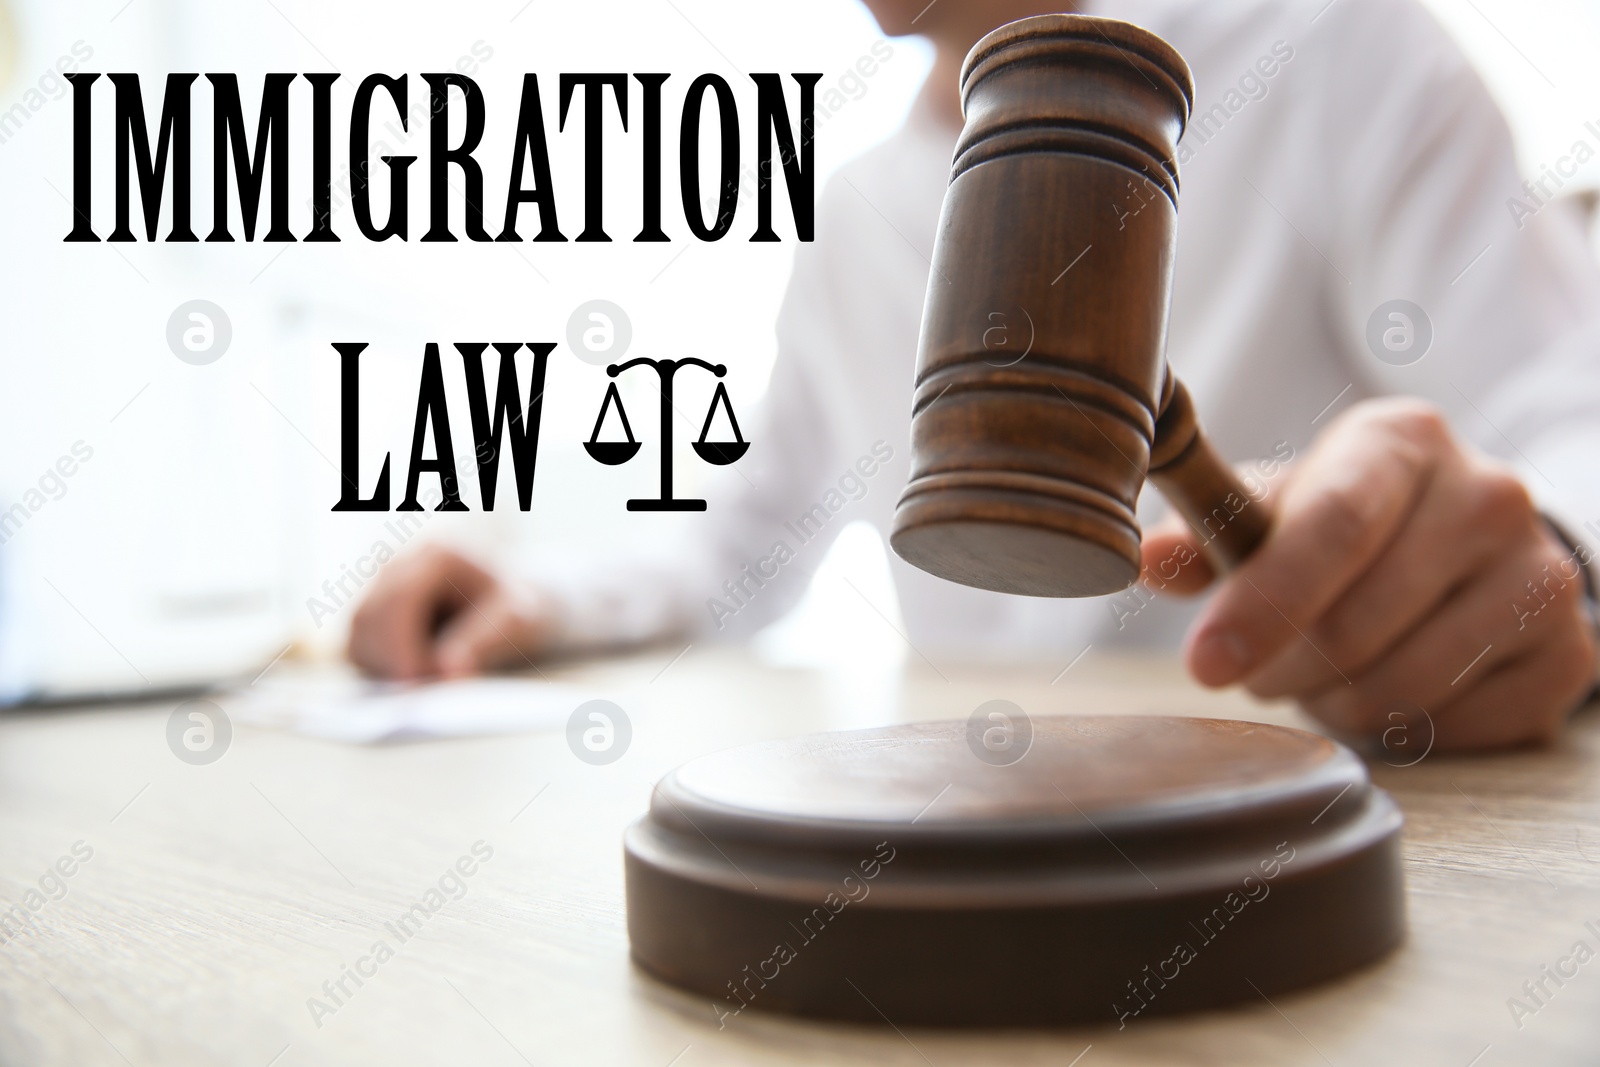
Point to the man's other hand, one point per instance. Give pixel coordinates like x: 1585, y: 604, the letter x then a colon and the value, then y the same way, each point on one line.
x: 435, y: 613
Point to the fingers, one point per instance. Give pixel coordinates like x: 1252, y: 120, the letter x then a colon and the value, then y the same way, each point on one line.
x: 392, y: 633
x: 436, y: 612
x: 1334, y: 518
x: 1524, y: 702
x: 494, y: 633
x: 1173, y: 557
x: 1483, y: 671
x: 1469, y: 511
x: 1172, y: 561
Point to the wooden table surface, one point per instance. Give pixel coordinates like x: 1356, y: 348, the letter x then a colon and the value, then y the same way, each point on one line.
x: 217, y: 900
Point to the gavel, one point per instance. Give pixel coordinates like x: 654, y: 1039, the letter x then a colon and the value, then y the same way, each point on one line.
x: 996, y: 898
x: 1043, y: 396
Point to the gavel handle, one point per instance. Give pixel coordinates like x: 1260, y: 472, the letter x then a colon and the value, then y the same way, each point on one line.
x: 1202, y: 486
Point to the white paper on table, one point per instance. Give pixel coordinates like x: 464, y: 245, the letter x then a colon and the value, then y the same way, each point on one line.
x: 359, y: 712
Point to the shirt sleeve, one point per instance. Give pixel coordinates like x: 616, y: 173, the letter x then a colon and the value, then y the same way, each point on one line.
x: 1433, y: 211
x: 736, y: 569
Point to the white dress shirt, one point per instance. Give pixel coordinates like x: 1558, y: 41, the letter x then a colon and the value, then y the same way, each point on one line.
x: 1369, y: 165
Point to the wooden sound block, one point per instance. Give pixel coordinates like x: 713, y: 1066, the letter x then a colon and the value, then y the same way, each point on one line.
x: 1122, y: 866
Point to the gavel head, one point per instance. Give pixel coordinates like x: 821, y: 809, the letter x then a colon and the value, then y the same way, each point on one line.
x: 1042, y: 364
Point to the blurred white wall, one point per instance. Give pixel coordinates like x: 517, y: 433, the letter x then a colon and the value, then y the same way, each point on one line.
x: 1538, y: 58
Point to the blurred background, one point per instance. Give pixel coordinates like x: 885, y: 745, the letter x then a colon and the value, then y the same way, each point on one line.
x: 175, y: 514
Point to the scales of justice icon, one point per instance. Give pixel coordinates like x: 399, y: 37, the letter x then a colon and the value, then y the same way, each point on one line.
x: 613, y: 453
